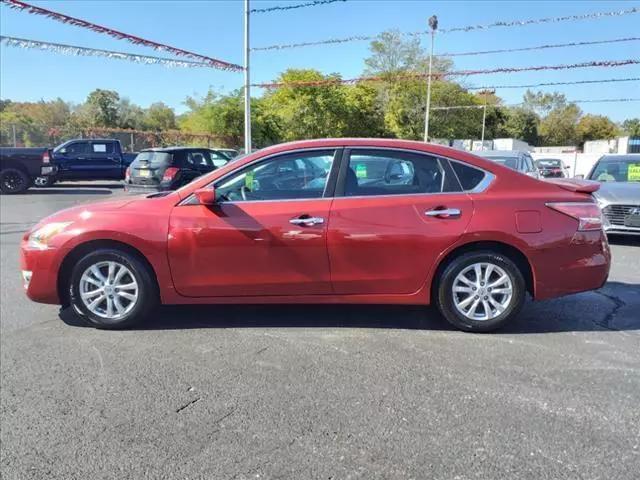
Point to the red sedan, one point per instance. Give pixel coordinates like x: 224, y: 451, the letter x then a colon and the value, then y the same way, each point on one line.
x: 328, y: 221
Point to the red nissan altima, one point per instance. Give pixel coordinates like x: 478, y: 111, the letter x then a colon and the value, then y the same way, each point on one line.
x: 328, y: 221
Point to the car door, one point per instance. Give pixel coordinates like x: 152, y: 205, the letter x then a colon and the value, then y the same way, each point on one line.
x: 103, y: 162
x: 71, y: 160
x: 265, y: 236
x: 394, y: 213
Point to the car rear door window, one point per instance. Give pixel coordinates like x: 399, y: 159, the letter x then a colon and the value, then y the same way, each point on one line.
x: 218, y: 159
x: 389, y: 172
x: 285, y: 177
x: 468, y: 176
x: 98, y: 148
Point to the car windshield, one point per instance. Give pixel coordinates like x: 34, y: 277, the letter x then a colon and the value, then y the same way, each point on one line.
x: 549, y: 164
x: 618, y: 169
x: 510, y: 162
x: 154, y: 158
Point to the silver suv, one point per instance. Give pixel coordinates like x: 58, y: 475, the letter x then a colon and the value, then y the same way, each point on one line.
x: 518, y: 160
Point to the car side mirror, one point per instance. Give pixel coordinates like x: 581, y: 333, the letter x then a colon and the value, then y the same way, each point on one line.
x: 206, y: 196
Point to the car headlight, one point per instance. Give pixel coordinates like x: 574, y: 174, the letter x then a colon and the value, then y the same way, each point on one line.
x: 40, y: 238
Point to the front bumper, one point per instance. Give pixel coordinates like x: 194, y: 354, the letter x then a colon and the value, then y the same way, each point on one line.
x: 40, y: 273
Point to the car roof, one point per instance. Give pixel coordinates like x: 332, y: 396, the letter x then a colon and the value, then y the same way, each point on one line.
x: 499, y: 153
x: 174, y: 149
x: 628, y: 156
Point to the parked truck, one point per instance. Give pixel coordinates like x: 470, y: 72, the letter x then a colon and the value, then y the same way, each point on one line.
x: 87, y: 159
x: 80, y: 159
x: 20, y: 167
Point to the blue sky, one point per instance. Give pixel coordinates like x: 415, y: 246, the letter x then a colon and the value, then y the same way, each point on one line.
x: 215, y: 28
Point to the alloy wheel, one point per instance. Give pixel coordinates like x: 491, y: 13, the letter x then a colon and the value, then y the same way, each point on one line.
x: 482, y: 291
x: 108, y: 289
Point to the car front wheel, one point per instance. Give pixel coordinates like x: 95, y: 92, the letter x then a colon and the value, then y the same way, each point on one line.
x: 112, y: 289
x: 480, y: 291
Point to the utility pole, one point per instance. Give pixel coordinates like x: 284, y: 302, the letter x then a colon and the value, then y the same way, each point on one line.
x: 15, y: 144
x: 247, y: 82
x: 433, y: 24
x: 484, y: 115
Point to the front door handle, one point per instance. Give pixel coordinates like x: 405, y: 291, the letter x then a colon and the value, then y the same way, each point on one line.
x: 307, y: 221
x: 444, y: 213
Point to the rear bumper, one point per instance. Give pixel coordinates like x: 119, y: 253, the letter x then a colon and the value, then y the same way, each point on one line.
x: 135, y: 188
x: 577, y: 266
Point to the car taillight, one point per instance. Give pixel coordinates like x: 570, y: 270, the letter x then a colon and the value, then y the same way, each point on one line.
x: 45, y: 157
x: 169, y: 173
x: 127, y: 174
x: 588, y: 215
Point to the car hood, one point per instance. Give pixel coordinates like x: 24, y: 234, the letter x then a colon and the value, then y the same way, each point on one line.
x: 619, y: 192
x: 87, y: 210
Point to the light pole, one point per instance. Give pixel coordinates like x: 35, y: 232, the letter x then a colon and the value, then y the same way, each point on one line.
x: 247, y: 83
x: 433, y: 23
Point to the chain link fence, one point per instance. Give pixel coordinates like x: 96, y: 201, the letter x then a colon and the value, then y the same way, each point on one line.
x: 35, y: 135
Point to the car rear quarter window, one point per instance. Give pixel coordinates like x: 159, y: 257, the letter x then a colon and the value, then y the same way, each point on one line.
x: 388, y: 172
x: 469, y: 177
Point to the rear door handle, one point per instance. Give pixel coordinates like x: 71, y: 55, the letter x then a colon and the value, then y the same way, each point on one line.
x: 307, y: 221
x: 444, y: 213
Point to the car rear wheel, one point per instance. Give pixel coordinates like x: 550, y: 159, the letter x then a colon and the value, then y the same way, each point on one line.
x: 481, y: 291
x: 13, y: 180
x: 112, y: 289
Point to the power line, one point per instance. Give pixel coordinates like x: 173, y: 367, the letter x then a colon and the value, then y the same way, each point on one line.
x: 95, y: 52
x: 417, y: 76
x: 468, y: 28
x: 277, y: 8
x: 78, y: 22
x: 540, y: 47
x: 600, y: 100
x: 547, y: 84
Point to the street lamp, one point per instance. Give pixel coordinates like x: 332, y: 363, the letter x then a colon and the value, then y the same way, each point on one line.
x: 433, y: 24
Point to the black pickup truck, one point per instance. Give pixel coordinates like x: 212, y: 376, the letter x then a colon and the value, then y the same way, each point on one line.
x: 19, y: 168
x: 88, y: 159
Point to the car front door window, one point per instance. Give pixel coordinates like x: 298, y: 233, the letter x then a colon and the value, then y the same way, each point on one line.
x: 287, y: 177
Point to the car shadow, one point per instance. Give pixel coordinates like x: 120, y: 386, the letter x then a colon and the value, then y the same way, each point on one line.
x: 551, y: 316
x: 69, y: 191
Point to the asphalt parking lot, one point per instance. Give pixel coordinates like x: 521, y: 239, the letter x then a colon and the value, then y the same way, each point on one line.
x: 316, y: 392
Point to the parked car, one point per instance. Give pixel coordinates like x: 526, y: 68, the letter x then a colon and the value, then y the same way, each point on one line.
x: 619, y: 193
x: 229, y: 152
x: 88, y: 159
x: 159, y: 169
x: 328, y: 221
x: 517, y: 160
x: 20, y: 167
x: 551, y: 168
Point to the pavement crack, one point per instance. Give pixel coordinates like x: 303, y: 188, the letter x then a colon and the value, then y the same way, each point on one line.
x: 617, y: 305
x: 187, y: 405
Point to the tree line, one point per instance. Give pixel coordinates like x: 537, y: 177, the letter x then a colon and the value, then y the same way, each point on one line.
x: 393, y: 108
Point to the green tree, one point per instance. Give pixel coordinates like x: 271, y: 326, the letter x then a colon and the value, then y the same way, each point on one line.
x: 559, y: 127
x: 520, y: 123
x: 102, y: 108
x: 365, y: 116
x: 159, y: 117
x: 595, y: 127
x: 543, y: 103
x: 405, y: 112
x: 308, y: 111
x: 130, y: 115
x: 631, y: 127
x: 392, y: 53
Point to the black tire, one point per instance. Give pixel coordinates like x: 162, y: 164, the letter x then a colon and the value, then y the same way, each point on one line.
x: 146, y: 302
x: 14, y: 180
x: 445, y: 295
x: 44, y: 182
